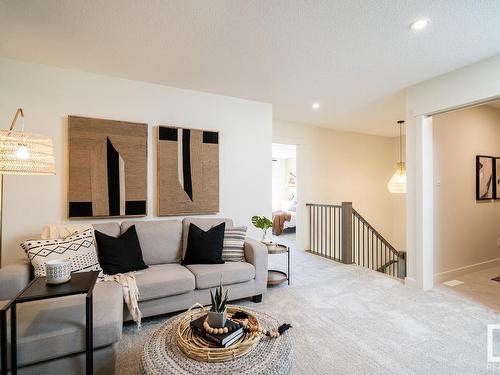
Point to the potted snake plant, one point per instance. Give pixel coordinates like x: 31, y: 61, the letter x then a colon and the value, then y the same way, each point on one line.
x: 218, y: 312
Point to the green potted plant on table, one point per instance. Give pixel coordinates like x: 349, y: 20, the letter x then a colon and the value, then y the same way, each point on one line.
x: 262, y: 222
x: 218, y: 312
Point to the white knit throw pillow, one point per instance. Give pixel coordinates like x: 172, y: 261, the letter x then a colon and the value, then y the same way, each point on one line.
x: 79, y: 248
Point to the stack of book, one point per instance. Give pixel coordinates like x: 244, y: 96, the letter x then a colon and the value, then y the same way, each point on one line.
x: 224, y: 340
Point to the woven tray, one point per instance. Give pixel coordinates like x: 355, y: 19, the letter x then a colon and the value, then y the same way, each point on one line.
x: 200, y: 349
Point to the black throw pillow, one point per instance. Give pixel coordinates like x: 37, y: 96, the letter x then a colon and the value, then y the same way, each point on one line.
x: 119, y: 254
x: 204, y: 247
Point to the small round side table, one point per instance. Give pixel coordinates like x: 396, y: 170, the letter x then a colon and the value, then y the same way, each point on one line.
x: 276, y: 277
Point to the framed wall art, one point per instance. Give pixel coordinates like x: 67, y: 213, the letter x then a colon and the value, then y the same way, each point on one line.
x: 107, y: 168
x: 485, y: 177
x: 496, y: 176
x: 188, y: 171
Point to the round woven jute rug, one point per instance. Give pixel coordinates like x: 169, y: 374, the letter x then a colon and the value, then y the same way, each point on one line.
x: 161, y: 355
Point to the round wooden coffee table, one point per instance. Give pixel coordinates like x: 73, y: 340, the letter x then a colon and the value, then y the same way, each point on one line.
x: 161, y: 355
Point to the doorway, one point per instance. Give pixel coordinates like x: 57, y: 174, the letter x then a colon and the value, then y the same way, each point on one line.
x: 284, y: 193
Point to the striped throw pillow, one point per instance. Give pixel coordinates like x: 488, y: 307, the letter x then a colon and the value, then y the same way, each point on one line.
x: 234, y: 244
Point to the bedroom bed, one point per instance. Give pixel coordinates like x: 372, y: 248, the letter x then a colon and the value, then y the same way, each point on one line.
x: 284, y: 219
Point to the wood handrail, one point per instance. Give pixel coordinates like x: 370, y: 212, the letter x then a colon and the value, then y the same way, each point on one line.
x: 323, y: 205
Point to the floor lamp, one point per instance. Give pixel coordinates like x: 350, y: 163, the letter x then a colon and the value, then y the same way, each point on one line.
x: 23, y: 153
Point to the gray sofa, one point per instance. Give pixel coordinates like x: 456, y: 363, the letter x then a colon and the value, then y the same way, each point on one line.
x: 50, y: 332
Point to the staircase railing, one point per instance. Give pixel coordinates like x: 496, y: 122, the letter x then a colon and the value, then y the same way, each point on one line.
x: 340, y: 233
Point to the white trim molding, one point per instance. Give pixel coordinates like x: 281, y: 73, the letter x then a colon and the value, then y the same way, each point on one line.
x: 457, y: 272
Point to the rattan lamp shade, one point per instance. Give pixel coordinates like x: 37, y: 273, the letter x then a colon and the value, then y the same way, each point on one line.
x: 397, y: 184
x: 26, y: 153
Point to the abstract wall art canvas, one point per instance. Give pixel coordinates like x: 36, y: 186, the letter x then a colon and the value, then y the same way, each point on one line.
x: 188, y: 171
x: 107, y: 168
x: 485, y: 177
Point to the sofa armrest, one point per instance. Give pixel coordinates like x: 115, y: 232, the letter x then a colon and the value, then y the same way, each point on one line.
x: 13, y: 278
x: 256, y: 254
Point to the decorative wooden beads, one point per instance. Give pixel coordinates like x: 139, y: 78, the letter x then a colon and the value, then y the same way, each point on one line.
x: 259, y: 329
x: 214, y: 331
x: 243, y: 323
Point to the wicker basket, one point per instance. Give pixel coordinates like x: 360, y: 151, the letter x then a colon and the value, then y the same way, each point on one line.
x: 200, y: 349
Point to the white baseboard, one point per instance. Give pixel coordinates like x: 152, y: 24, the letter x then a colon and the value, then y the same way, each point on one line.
x: 451, y: 274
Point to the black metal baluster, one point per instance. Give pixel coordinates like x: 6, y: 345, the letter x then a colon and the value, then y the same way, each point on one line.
x: 309, y: 233
x: 331, y: 234
x: 317, y: 228
x: 373, y: 249
x: 340, y: 234
x: 321, y: 230
x: 314, y: 229
x: 364, y: 245
x: 379, y: 255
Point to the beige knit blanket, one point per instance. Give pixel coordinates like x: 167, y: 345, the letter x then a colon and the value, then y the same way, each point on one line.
x: 130, y: 293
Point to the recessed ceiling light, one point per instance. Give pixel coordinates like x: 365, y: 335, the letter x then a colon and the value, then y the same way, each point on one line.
x: 315, y: 105
x: 419, y: 25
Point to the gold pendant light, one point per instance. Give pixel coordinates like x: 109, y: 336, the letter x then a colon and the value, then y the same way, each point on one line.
x: 397, y: 183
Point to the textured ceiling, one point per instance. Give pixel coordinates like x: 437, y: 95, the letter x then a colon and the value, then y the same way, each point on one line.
x: 354, y: 56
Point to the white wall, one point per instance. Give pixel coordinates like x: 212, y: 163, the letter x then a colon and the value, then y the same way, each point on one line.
x: 472, y: 84
x: 465, y: 230
x: 48, y: 95
x: 335, y: 166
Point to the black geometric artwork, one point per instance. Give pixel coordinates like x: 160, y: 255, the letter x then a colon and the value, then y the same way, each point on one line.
x: 108, y: 168
x: 188, y: 171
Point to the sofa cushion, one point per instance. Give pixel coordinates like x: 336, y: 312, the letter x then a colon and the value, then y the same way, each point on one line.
x: 111, y: 229
x: 160, y: 240
x: 202, y: 223
x: 163, y: 280
x: 209, y: 275
x: 53, y: 328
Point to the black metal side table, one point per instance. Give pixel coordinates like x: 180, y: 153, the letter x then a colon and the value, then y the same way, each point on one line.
x: 38, y: 289
x: 275, y: 277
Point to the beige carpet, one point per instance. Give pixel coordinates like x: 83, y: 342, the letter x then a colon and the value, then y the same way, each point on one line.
x: 348, y: 320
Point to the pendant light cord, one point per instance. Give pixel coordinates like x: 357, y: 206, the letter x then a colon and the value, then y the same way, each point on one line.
x: 400, y: 126
x: 401, y: 122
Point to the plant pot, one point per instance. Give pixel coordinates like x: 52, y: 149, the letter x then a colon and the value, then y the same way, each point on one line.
x: 217, y: 319
x: 265, y: 239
